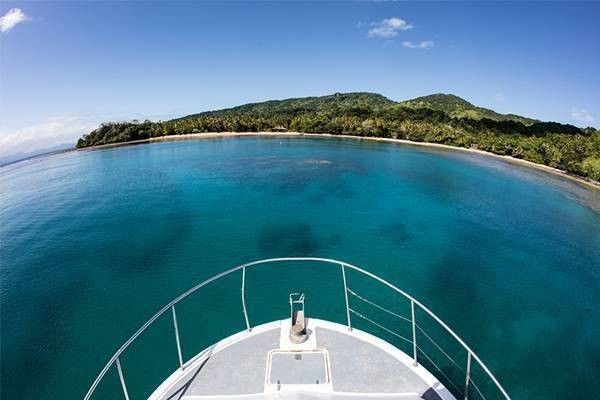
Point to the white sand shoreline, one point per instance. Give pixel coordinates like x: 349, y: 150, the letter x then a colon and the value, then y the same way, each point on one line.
x: 208, y: 135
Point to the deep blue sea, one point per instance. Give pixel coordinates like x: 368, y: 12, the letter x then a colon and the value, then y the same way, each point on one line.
x: 94, y: 242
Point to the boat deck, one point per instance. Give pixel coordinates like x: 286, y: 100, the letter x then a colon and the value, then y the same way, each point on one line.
x: 333, y: 363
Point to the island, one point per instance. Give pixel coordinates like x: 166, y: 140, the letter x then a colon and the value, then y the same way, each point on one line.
x: 439, y: 118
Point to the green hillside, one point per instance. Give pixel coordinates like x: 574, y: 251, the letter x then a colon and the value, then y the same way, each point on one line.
x: 452, y: 105
x: 460, y: 108
x: 439, y: 118
x: 297, y: 106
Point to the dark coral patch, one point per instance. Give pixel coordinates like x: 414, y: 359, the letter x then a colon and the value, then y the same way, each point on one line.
x: 288, y: 239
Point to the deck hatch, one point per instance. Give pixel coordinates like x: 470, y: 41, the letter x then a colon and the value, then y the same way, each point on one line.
x: 298, y: 367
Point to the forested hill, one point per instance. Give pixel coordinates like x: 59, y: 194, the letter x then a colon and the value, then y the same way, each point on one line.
x: 439, y: 118
x: 460, y: 108
x: 297, y: 106
x: 452, y: 105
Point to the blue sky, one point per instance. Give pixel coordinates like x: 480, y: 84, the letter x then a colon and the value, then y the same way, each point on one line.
x: 66, y: 66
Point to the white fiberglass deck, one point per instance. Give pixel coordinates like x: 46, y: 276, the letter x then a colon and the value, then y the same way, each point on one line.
x: 261, y: 362
x: 334, y: 363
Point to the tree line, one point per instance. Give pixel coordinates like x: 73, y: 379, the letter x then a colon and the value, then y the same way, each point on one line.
x: 557, y: 145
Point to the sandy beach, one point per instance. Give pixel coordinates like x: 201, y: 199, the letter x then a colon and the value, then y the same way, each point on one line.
x: 208, y: 135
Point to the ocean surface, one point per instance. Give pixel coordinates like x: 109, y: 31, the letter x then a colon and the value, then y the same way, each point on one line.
x: 93, y: 243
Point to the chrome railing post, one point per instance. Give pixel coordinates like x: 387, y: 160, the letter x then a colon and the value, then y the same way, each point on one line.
x: 177, y: 337
x: 122, y: 379
x: 468, y: 373
x: 244, y: 299
x: 471, y: 355
x: 346, y: 297
x: 414, y: 323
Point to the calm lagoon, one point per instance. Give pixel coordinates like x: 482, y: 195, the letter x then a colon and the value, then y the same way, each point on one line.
x: 94, y: 242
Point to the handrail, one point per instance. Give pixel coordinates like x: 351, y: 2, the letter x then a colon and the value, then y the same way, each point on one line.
x: 470, y: 352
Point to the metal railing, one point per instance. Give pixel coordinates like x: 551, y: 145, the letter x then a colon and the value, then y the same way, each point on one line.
x: 114, y: 360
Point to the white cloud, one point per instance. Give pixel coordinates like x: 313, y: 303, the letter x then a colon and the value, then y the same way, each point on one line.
x: 427, y: 44
x: 13, y: 17
x: 388, y: 28
x: 51, y: 132
x: 581, y: 116
x: 66, y: 130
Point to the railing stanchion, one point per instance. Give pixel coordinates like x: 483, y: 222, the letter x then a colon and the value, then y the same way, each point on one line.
x: 244, y: 299
x: 414, y: 329
x: 470, y: 354
x: 468, y: 378
x: 120, y: 371
x: 177, y: 337
x: 346, y: 297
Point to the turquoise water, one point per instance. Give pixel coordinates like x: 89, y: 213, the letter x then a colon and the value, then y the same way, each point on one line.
x: 94, y: 242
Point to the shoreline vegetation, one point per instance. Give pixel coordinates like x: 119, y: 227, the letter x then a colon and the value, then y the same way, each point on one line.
x: 215, y: 135
x: 439, y: 119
